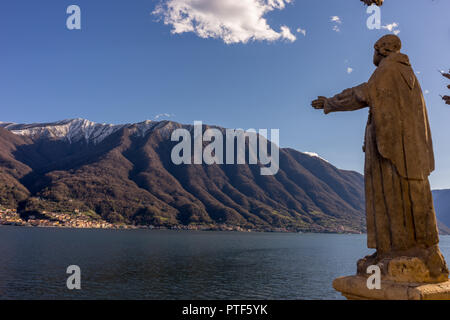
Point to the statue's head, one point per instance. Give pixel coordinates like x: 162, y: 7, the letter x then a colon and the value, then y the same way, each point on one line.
x: 384, y: 47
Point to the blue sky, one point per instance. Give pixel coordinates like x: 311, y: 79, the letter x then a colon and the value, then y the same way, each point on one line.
x: 125, y: 65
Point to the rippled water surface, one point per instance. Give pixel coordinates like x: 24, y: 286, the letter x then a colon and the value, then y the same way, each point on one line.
x: 144, y: 264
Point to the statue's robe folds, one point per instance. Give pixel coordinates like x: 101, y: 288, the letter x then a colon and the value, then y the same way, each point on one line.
x: 399, y: 157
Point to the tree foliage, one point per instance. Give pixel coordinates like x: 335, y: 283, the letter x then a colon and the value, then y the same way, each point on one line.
x: 446, y: 98
x: 371, y: 2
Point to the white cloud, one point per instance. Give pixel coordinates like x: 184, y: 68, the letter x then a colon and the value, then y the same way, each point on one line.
x: 427, y: 91
x: 163, y: 115
x: 287, y: 34
x: 349, y: 70
x: 336, y: 21
x: 393, y: 27
x: 233, y: 21
x: 302, y: 31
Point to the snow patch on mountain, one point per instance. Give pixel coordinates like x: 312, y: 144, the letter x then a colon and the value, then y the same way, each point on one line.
x: 75, y: 130
x: 315, y: 155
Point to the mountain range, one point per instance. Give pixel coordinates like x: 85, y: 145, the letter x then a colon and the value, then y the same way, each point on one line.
x: 442, y: 206
x: 124, y: 174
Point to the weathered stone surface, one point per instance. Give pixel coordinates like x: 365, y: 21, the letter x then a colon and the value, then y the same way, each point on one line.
x: 422, y: 265
x: 407, y: 269
x: 402, y: 269
x: 355, y: 288
x: 401, y: 221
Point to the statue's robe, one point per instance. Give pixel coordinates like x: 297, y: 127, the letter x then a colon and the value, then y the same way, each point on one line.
x: 399, y: 157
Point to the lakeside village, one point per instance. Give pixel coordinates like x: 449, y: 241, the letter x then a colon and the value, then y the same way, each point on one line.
x: 64, y: 220
x: 77, y: 220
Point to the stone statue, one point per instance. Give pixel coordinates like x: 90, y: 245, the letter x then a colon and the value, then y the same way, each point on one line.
x: 401, y: 221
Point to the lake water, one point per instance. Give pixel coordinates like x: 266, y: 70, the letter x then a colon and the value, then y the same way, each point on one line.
x: 148, y: 264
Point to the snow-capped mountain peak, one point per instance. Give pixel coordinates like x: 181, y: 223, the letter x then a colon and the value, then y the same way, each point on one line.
x: 75, y: 129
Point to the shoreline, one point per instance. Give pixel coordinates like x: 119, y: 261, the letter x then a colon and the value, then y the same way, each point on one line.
x: 132, y: 228
x: 78, y: 220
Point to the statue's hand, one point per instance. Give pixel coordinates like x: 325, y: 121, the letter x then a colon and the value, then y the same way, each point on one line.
x: 319, y: 103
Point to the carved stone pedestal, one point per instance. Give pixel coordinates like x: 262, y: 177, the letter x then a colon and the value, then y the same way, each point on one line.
x: 355, y: 288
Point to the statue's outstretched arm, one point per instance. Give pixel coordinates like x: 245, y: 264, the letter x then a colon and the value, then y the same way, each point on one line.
x: 348, y: 100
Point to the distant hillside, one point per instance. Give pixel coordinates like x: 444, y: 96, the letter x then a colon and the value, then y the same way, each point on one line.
x: 124, y: 173
x: 442, y: 205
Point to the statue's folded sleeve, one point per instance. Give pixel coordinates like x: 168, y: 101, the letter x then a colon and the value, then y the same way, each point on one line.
x: 348, y: 100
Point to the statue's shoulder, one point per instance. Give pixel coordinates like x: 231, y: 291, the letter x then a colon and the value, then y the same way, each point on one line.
x: 380, y: 73
x: 396, y: 64
x: 395, y: 60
